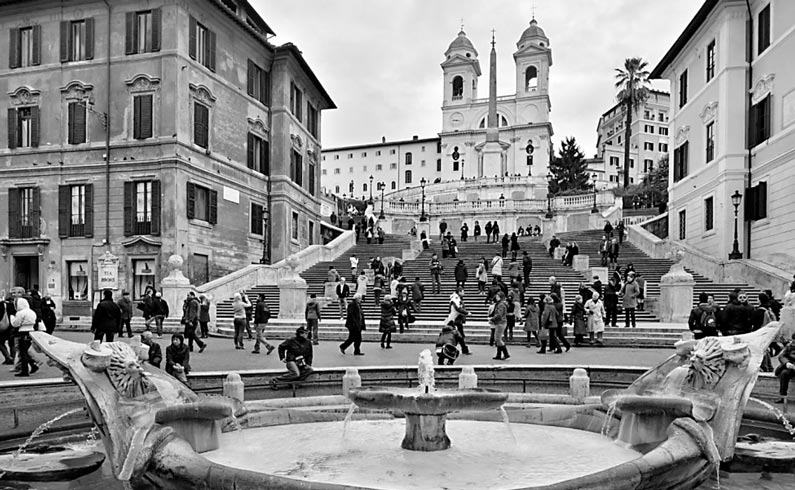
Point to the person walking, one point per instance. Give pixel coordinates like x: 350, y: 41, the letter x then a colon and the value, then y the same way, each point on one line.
x: 461, y: 274
x: 464, y: 232
x: 204, y: 316
x: 506, y: 242
x: 48, y: 316
x: 445, y: 244
x: 190, y: 315
x: 126, y: 307
x: 442, y: 229
x: 387, y: 324
x: 553, y: 244
x: 513, y: 270
x: 405, y: 309
x: 354, y: 260
x: 107, y: 317
x: 457, y: 317
x: 452, y: 245
x: 527, y: 267
x: 23, y: 322
x: 447, y: 345
x: 482, y: 276
x: 595, y: 311
x: 262, y: 314
x: 498, y: 317
x: 608, y: 229
x: 531, y: 321
x: 239, y: 306
x: 355, y: 323
x: 620, y: 230
x: 629, y: 300
x: 6, y: 311
x: 343, y: 292
x: 417, y: 293
x: 488, y: 231
x: 495, y: 231
x: 249, y: 311
x: 378, y: 287
x: 510, y: 316
x: 476, y: 230
x: 312, y: 316
x: 578, y: 320
x: 560, y: 338
x: 549, y: 322
x: 496, y: 267
x: 615, y: 249
x: 146, y: 305
x: 514, y: 246
x: 361, y: 285
x: 436, y: 269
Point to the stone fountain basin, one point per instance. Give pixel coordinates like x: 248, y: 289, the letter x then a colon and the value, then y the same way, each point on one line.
x: 438, y: 402
x: 49, y: 463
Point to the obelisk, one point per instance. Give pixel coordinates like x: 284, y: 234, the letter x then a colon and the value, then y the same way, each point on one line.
x: 492, y: 151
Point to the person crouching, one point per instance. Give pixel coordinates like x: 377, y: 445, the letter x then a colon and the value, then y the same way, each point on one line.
x: 447, y: 345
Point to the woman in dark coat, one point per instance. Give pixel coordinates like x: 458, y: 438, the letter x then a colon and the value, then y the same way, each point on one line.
x: 578, y: 319
x: 178, y: 358
x: 505, y: 244
x: 387, y: 325
x: 48, y: 314
x: 514, y: 245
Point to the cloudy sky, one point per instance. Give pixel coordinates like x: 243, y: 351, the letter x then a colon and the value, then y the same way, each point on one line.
x: 379, y: 59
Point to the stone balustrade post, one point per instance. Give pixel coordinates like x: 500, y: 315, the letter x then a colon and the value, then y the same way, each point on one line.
x: 233, y: 387
x: 175, y: 287
x: 351, y: 379
x: 676, y: 293
x: 467, y: 379
x: 292, y: 292
x: 579, y: 385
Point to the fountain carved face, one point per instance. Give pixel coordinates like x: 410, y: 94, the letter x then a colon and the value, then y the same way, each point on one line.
x: 121, y: 364
x: 709, y: 358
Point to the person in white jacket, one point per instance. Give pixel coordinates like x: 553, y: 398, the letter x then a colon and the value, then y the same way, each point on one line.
x: 24, y: 321
x: 496, y: 267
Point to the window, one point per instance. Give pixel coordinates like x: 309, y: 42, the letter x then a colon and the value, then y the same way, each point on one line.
x: 458, y: 88
x: 77, y: 123
x: 364, y: 187
x: 23, y: 127
x: 142, y: 32
x: 408, y: 177
x: 711, y: 60
x: 648, y: 165
x: 455, y: 165
x: 763, y: 29
x: 379, y: 166
x: 648, y: 146
x: 258, y: 158
x: 336, y: 157
x: 682, y: 224
x: 350, y: 170
x: 311, y: 174
x: 75, y: 210
x: 619, y: 139
x: 531, y: 78
x: 257, y: 219
x: 202, y: 203
x: 78, y: 280
x: 350, y: 155
x: 337, y: 189
x: 23, y: 212
x: 311, y: 237
x: 710, y: 142
x: 364, y: 168
x: 259, y: 83
x: 297, y: 168
x: 364, y: 154
x: 408, y: 158
x: 142, y: 116
x: 683, y: 89
x: 631, y: 163
x: 439, y: 146
x: 312, y: 121
x: 648, y: 128
x: 760, y: 121
x: 294, y: 226
x: 200, y: 269
x: 324, y: 172
x: 392, y: 166
x: 394, y: 185
x: 646, y: 115
x: 202, y: 44
x: 756, y: 202
x: 142, y: 208
x: 422, y: 149
x: 614, y: 161
x: 24, y: 47
x: 422, y: 163
x: 709, y: 213
x: 661, y: 117
x: 143, y: 277
x: 663, y: 131
x: 336, y: 171
x: 680, y: 161
x: 392, y: 152
x: 77, y: 40
x: 296, y: 102
x: 438, y: 165
x: 378, y: 153
x: 201, y: 125
x: 663, y: 147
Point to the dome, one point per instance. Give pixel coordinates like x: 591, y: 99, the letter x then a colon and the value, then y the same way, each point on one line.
x: 462, y: 42
x: 533, y: 32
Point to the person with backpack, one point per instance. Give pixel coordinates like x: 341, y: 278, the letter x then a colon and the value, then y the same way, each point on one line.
x: 447, y: 345
x: 703, y: 320
x: 762, y: 314
x: 312, y: 317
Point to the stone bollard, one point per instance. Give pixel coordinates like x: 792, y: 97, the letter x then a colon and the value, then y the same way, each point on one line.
x: 467, y: 379
x: 233, y: 387
x: 350, y: 379
x: 579, y: 385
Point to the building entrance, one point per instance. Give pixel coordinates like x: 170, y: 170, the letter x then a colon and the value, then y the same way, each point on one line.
x: 26, y: 271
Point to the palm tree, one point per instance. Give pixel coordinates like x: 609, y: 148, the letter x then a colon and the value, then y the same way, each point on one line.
x: 632, y: 83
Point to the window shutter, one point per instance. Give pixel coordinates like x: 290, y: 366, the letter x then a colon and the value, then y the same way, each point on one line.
x: 192, y: 38
x: 252, y: 78
x: 80, y: 123
x: 130, y: 32
x: 191, y: 200
x: 12, y: 128
x: 70, y: 123
x: 253, y: 215
x: 88, y: 229
x: 65, y: 40
x: 201, y: 120
x: 748, y: 204
x: 64, y: 210
x: 210, y: 50
x: 13, y: 48
x: 147, y: 102
x: 36, y: 61
x: 90, y: 38
x: 129, y: 210
x: 761, y: 200
x: 250, y: 152
x: 156, y: 208
x: 264, y: 158
x: 35, y: 212
x: 213, y: 215
x: 34, y: 127
x: 265, y: 87
x: 156, y: 23
x: 137, y: 117
x: 13, y: 213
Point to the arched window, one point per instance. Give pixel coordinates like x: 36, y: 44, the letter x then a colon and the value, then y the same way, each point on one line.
x: 458, y: 87
x: 394, y: 185
x: 531, y: 78
x: 408, y: 177
x: 408, y: 158
x: 337, y: 190
x: 364, y: 187
x: 502, y: 119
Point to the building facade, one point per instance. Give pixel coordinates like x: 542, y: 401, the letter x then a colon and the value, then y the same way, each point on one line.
x: 138, y: 130
x: 733, y: 129
x: 648, y: 140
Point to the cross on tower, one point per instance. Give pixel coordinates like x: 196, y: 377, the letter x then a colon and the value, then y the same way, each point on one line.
x: 534, y: 11
x: 492, y: 37
x: 462, y: 23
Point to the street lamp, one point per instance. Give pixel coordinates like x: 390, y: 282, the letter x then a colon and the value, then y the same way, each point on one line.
x: 371, y: 189
x: 422, y: 213
x: 735, y: 253
x: 462, y: 169
x: 594, y: 209
x: 266, y: 256
x: 550, y: 196
x: 382, y: 186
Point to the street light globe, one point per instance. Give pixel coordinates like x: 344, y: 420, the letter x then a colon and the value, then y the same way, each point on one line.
x: 737, y: 198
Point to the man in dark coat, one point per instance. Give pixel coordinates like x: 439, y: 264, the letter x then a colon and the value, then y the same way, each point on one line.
x: 355, y: 323
x: 107, y: 318
x: 155, y: 352
x: 126, y: 307
x: 735, y: 317
x: 296, y: 353
x: 190, y: 319
x: 527, y: 267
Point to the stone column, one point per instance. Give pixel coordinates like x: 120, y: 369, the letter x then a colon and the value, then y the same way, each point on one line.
x: 581, y: 263
x: 676, y: 292
x: 175, y: 286
x: 292, y: 292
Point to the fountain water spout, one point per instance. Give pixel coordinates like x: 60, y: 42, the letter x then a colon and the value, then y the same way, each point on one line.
x: 425, y: 373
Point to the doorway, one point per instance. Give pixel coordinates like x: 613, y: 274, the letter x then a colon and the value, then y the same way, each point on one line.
x: 26, y: 271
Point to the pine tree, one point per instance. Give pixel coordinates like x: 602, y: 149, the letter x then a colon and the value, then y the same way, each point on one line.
x: 569, y: 169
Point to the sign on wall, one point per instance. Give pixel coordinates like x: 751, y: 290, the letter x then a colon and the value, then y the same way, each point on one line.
x: 108, y: 271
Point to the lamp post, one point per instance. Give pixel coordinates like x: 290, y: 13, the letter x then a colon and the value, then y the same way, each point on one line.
x: 382, y: 185
x: 594, y: 209
x: 266, y: 256
x: 422, y: 213
x: 550, y: 196
x: 371, y: 189
x: 462, y: 169
x: 735, y: 253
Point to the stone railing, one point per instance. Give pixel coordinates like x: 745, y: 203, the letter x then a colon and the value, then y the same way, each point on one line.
x: 561, y: 203
x: 462, y: 185
x: 657, y: 225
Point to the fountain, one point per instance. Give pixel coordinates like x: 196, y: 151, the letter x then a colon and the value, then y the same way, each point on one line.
x: 672, y: 425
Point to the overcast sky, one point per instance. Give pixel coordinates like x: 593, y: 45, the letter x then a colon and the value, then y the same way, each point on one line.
x: 379, y: 59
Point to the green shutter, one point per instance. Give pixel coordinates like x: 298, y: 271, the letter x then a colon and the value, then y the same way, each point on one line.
x: 12, y: 128
x: 13, y: 48
x: 130, y: 31
x: 213, y: 214
x: 191, y: 205
x: 129, y: 208
x: 156, y: 26
x: 88, y: 229
x: 13, y: 212
x: 89, y: 38
x: 264, y: 158
x: 64, y: 210
x: 137, y: 117
x: 156, y: 208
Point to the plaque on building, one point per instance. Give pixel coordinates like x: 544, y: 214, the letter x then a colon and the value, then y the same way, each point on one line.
x: 108, y: 271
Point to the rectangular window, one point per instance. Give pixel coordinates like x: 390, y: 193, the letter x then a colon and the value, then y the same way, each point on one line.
x: 408, y: 177
x: 682, y: 224
x: 763, y: 29
x: 200, y: 269
x: 710, y: 142
x: 648, y: 165
x: 350, y: 155
x: 77, y: 40
x: 23, y: 127
x: 142, y: 208
x: 681, y: 155
x: 350, y: 170
x: 391, y: 152
x: 257, y: 219
x: 378, y: 153
x: 631, y: 163
x: 312, y: 120
x: 646, y: 115
x: 24, y: 47
x: 311, y: 236
x: 77, y: 123
x: 364, y: 168
x: 663, y: 147
x: 23, y: 212
x: 663, y: 131
x: 648, y: 146
x: 294, y: 226
x: 296, y: 102
x: 324, y: 171
x: 648, y: 128
x: 312, y: 168
x: 614, y: 161
x: 379, y: 167
x: 711, y: 60
x: 201, y: 125
x: 142, y: 116
x: 455, y: 165
x: 201, y: 46
x: 297, y: 168
x: 75, y: 210
x: 408, y: 158
x: 78, y: 280
x: 202, y: 203
x: 661, y: 117
x: 438, y: 165
x: 683, y: 89
x: 258, y: 154
x: 394, y: 185
x: 142, y: 32
x: 336, y: 171
x: 760, y: 121
x: 258, y: 83
x: 364, y: 154
x: 709, y: 213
